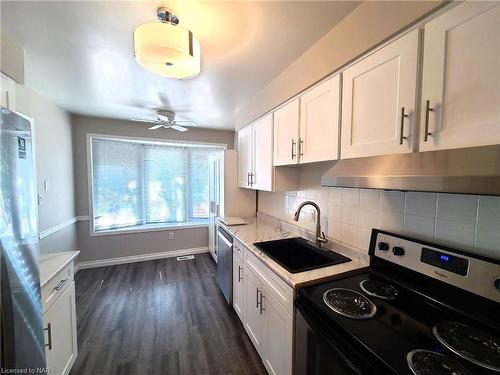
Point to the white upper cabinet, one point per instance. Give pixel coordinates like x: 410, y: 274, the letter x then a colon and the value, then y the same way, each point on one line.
x: 319, y: 122
x: 461, y: 78
x: 245, y: 156
x: 286, y: 134
x: 262, y: 174
x: 378, y: 101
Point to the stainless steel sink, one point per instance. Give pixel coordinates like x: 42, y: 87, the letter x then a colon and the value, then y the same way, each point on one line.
x: 298, y: 255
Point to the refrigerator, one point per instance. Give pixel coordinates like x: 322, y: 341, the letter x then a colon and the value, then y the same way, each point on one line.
x: 226, y: 198
x: 22, y: 334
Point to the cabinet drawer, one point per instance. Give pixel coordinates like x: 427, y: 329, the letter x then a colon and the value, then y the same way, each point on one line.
x: 56, y: 286
x: 272, y: 282
x: 238, y: 248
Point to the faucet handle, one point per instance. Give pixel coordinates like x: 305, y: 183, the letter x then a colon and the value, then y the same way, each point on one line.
x: 322, y: 238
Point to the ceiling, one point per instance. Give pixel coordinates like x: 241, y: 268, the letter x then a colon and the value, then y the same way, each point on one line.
x: 80, y: 54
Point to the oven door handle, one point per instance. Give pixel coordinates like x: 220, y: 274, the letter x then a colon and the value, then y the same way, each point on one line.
x: 306, y: 314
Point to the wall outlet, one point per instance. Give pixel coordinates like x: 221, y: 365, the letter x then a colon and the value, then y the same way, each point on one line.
x: 171, y: 236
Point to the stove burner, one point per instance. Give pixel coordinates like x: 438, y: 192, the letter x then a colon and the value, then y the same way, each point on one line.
x: 425, y: 362
x: 476, y: 346
x: 349, y: 303
x: 378, y: 289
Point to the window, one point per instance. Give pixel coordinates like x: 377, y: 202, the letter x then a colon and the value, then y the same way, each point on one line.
x: 139, y: 184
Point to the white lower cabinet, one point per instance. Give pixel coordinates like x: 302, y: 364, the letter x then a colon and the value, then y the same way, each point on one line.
x: 277, y: 336
x: 238, y: 290
x: 60, y: 333
x: 268, y: 324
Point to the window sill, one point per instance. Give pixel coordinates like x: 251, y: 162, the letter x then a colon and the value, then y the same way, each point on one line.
x: 150, y: 228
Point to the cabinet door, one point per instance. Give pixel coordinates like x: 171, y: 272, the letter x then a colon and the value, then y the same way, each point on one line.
x: 262, y: 177
x: 286, y: 134
x: 245, y: 154
x: 319, y: 122
x: 252, y: 317
x: 461, y: 78
x: 61, y: 318
x: 375, y: 92
x: 238, y: 290
x: 277, y: 337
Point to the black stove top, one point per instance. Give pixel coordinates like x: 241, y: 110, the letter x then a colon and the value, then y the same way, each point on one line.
x: 400, y: 325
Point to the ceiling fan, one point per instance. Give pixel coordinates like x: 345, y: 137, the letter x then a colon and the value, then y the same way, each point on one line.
x: 166, y: 119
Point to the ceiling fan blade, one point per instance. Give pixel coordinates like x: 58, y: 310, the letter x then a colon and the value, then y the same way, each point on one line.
x: 144, y: 120
x: 186, y: 122
x: 179, y: 128
x: 158, y: 126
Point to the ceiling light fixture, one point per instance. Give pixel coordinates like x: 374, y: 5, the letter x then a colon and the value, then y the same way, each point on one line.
x: 167, y: 49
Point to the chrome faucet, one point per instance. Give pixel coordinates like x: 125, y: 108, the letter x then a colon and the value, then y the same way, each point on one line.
x: 320, y: 236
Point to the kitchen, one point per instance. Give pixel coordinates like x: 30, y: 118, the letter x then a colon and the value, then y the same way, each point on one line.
x: 172, y: 205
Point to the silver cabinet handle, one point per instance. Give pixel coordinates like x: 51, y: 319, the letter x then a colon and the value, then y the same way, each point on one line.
x: 248, y: 179
x: 251, y: 179
x: 301, y: 147
x: 293, y: 146
x: 257, y: 298
x: 261, y: 307
x: 403, y: 116
x: 239, y: 274
x: 61, y: 284
x: 426, y: 129
x: 49, y: 335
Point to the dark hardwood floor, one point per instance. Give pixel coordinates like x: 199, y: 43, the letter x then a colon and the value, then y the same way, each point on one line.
x: 159, y: 317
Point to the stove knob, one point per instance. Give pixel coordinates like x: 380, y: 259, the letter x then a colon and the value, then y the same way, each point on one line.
x: 496, y: 283
x: 399, y: 251
x: 384, y: 246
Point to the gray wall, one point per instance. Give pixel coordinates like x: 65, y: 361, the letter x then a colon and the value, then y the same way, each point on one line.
x: 54, y: 163
x: 119, y: 245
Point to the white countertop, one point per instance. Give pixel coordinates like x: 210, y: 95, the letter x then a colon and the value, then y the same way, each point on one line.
x: 266, y: 229
x: 51, y: 264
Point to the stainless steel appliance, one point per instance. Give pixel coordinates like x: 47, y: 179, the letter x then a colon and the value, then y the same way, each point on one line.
x: 22, y: 335
x: 225, y: 263
x: 422, y: 308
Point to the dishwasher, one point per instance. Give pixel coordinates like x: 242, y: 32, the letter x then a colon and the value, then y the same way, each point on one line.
x: 225, y: 263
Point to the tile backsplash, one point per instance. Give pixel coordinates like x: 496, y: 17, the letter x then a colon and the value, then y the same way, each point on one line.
x: 469, y: 222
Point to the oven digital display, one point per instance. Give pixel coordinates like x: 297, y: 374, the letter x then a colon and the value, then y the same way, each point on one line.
x: 445, y: 261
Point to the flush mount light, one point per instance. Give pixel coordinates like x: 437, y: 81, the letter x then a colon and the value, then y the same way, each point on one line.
x: 167, y: 49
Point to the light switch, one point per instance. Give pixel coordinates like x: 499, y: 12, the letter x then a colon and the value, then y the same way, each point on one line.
x: 45, y: 185
x: 40, y: 199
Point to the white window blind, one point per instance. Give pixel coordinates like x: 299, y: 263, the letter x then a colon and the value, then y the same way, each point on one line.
x: 148, y: 184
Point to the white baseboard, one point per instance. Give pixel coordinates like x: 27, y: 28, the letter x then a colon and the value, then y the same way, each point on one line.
x: 140, y: 258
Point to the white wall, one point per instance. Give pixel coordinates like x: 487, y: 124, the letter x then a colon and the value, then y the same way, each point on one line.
x: 368, y: 25
x: 468, y: 222
x: 54, y: 163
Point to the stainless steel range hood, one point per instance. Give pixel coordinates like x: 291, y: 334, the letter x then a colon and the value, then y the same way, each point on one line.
x: 474, y: 170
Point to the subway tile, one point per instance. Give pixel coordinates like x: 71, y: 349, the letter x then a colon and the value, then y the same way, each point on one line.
x: 335, y: 194
x: 334, y: 229
x: 454, y: 233
x: 291, y: 202
x: 421, y: 204
x: 391, y: 221
x: 349, y: 234
x: 311, y: 194
x: 292, y: 193
x: 301, y: 193
x: 419, y: 226
x: 335, y: 211
x: 368, y: 217
x: 457, y: 208
x: 364, y: 236
x: 369, y: 197
x: 392, y: 201
x: 322, y: 194
x: 350, y: 196
x: 487, y: 236
x: 350, y: 213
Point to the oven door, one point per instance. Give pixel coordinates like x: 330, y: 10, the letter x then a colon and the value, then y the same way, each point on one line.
x: 319, y: 351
